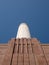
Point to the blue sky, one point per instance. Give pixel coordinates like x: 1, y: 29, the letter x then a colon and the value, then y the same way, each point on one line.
x: 34, y: 12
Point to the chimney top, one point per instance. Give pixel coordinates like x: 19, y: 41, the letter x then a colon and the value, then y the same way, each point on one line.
x: 23, y: 31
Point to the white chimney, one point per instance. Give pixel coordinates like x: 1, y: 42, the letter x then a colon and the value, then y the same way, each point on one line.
x: 23, y: 31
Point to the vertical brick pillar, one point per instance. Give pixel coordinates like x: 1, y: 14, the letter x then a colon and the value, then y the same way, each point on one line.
x: 20, y: 54
x: 30, y: 52
x: 26, y: 57
x: 8, y: 54
x: 38, y: 53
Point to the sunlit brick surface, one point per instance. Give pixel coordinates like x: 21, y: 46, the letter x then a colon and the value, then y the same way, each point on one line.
x: 24, y: 52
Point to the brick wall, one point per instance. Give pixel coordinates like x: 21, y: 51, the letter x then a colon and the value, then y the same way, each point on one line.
x: 24, y: 52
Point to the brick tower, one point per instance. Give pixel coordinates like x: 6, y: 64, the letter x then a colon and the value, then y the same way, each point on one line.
x: 24, y: 50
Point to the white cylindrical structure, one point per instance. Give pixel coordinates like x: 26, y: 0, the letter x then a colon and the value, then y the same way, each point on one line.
x: 23, y: 31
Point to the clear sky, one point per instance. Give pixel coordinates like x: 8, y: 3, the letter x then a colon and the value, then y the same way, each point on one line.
x: 34, y: 12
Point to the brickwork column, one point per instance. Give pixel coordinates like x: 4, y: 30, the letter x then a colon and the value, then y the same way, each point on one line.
x: 8, y: 54
x: 38, y: 53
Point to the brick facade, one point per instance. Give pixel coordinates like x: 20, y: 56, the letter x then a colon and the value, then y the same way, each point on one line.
x: 24, y: 52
